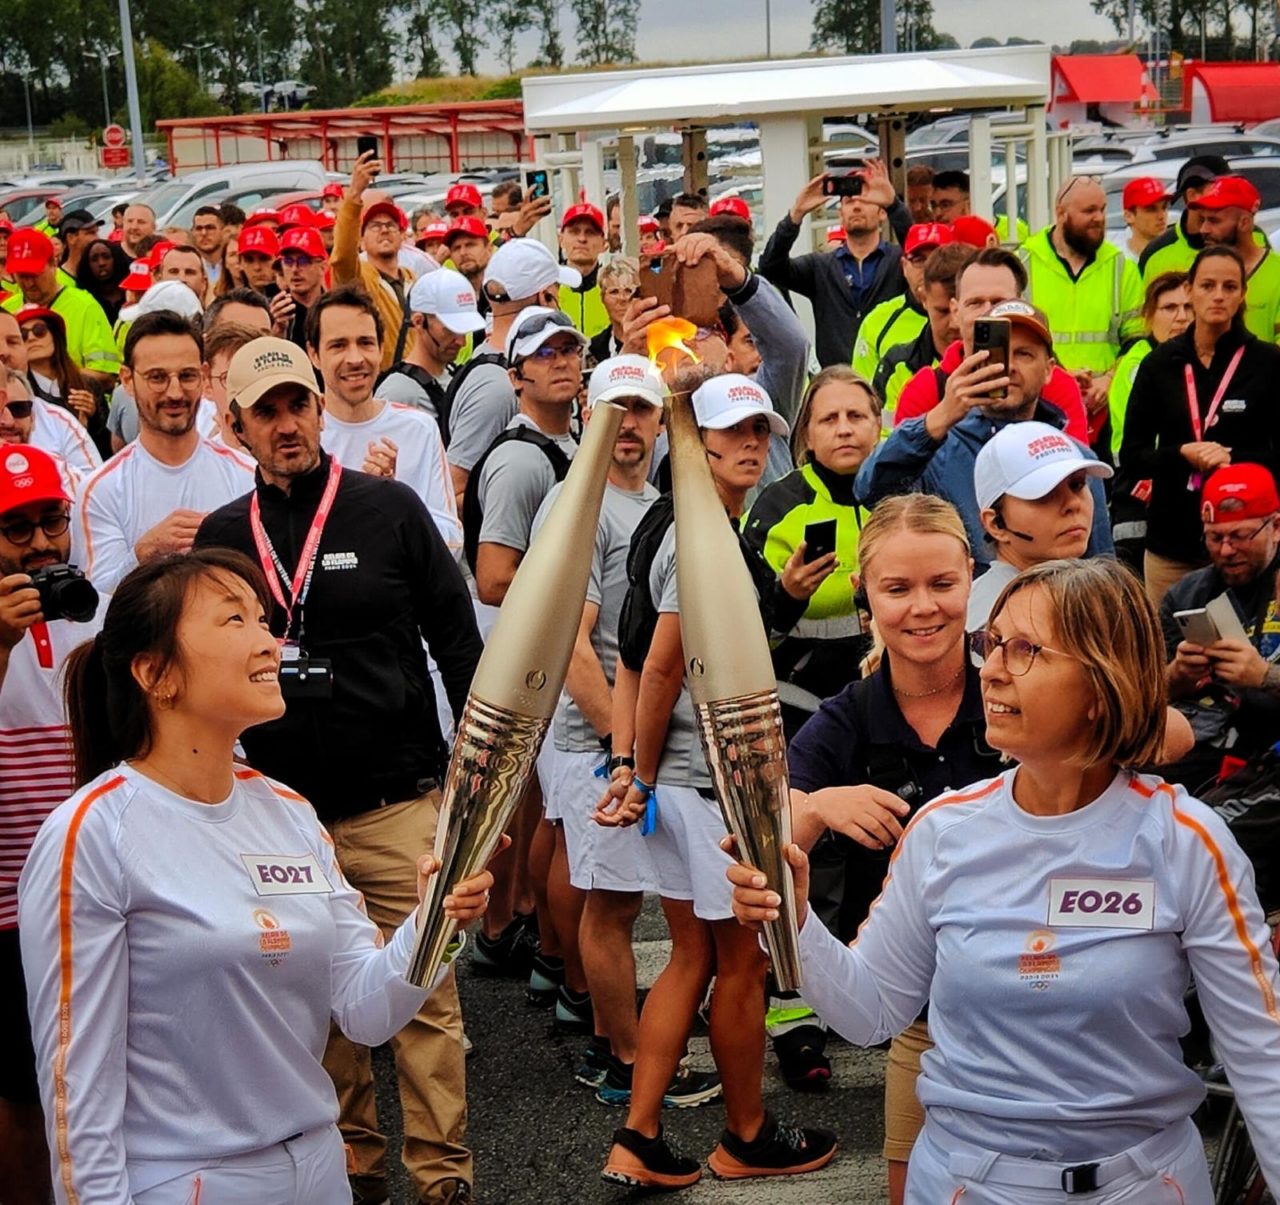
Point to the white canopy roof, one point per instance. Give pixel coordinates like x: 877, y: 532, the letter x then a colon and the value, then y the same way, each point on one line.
x: 702, y: 95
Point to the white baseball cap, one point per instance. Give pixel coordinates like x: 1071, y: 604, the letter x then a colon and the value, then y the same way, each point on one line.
x: 523, y: 267
x: 167, y: 295
x: 728, y: 399
x: 534, y: 327
x: 446, y: 294
x: 1029, y: 460
x: 626, y: 376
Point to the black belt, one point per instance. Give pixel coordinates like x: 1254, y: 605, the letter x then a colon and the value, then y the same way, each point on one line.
x: 405, y: 792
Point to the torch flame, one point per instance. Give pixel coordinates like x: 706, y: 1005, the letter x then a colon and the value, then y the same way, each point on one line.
x: 671, y: 334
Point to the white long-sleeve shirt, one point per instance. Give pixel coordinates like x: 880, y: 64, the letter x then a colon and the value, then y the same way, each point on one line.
x: 420, y: 459
x: 183, y: 961
x: 59, y: 431
x: 134, y: 491
x: 1055, y: 952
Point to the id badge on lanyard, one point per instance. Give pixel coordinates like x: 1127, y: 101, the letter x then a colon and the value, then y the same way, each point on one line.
x: 1198, y: 429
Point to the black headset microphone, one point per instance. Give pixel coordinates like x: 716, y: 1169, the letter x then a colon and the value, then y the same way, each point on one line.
x: 1003, y: 526
x: 709, y: 452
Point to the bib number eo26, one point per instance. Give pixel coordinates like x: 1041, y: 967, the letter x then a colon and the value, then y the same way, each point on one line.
x: 1102, y: 903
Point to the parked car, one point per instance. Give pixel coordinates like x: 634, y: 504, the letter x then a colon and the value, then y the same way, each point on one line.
x: 176, y: 201
x: 98, y: 201
x: 18, y: 202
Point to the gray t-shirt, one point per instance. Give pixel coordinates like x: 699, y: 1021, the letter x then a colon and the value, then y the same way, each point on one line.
x: 512, y: 485
x: 620, y: 512
x: 122, y: 415
x: 986, y: 590
x: 682, y: 763
x: 482, y: 409
x: 404, y: 389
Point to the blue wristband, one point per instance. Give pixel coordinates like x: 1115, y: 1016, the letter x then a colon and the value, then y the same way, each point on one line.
x: 637, y: 781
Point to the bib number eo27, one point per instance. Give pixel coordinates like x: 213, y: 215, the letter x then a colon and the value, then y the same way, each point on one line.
x: 1102, y: 903
x: 286, y: 874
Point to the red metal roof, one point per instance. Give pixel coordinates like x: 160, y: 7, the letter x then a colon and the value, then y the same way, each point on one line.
x: 1236, y: 91
x: 1100, y: 79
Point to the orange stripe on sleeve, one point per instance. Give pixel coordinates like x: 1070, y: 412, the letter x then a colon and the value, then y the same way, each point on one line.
x: 245, y: 773
x: 66, y: 970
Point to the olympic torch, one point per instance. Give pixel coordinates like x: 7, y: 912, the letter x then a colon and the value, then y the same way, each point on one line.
x: 516, y: 685
x: 732, y: 683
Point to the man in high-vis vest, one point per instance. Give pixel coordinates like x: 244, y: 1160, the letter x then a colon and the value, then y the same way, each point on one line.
x: 1090, y: 291
x: 1227, y: 208
x: 1174, y: 250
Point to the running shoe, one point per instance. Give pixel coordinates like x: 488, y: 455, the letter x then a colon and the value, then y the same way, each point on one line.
x: 778, y: 1150
x: 687, y: 1090
x: 802, y: 1058
x: 545, y: 979
x: 573, y: 1012
x: 508, y: 956
x: 594, y: 1067
x: 639, y: 1162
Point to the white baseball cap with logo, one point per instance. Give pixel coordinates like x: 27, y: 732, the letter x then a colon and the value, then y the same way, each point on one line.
x: 726, y: 400
x: 534, y: 327
x: 1029, y: 460
x: 523, y: 267
x: 266, y: 364
x: 447, y: 294
x: 166, y: 295
x: 626, y: 376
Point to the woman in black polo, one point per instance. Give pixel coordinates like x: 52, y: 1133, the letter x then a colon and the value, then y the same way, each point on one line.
x: 1199, y: 401
x: 890, y: 742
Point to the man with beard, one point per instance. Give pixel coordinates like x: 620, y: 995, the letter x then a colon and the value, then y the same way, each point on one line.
x: 1090, y: 292
x: 258, y: 248
x: 1174, y: 250
x: 1227, y: 209
x: 843, y: 286
x: 150, y: 498
x: 470, y: 250
x: 139, y: 222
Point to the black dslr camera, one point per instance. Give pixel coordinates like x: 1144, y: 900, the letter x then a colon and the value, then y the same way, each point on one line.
x: 65, y: 593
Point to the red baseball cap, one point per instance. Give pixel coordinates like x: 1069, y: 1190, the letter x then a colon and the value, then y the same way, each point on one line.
x: 29, y: 252
x: 258, y: 240
x: 471, y: 226
x: 158, y: 252
x: 1229, y: 192
x: 333, y: 190
x: 1146, y: 190
x: 927, y: 234
x: 264, y: 215
x: 297, y: 214
x: 383, y: 206
x: 972, y: 230
x: 835, y: 234
x: 324, y: 221
x: 28, y: 474
x: 305, y: 239
x: 29, y: 313
x: 463, y: 194
x: 139, y: 278
x: 5, y: 224
x: 434, y: 232
x: 584, y: 210
x: 735, y: 206
x: 1239, y: 491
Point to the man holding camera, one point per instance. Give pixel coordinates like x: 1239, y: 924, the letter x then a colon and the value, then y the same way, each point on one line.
x: 361, y: 578
x: 37, y: 771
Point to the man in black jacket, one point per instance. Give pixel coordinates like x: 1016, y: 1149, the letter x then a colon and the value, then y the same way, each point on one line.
x: 361, y: 578
x: 844, y: 285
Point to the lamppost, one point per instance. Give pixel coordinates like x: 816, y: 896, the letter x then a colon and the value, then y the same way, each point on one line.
x: 31, y: 132
x: 104, y: 57
x: 199, y: 48
x: 262, y: 75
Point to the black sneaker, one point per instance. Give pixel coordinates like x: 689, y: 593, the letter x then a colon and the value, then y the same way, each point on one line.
x: 545, y: 979
x: 778, y: 1150
x: 802, y: 1058
x: 573, y: 1012
x: 639, y: 1162
x: 508, y: 956
x: 689, y: 1089
x: 615, y: 1086
x: 594, y: 1067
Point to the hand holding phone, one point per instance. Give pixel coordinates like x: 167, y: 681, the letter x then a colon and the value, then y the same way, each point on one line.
x: 842, y: 186
x: 992, y: 336
x: 536, y: 183
x: 819, y: 540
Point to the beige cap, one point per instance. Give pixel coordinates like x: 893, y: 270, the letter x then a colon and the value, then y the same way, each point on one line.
x: 265, y: 364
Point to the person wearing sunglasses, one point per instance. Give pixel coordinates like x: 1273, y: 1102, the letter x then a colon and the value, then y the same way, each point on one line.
x: 56, y: 376
x: 304, y: 264
x: 37, y: 772
x: 1053, y: 917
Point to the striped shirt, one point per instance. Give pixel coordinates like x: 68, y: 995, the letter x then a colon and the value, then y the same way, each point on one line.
x: 36, y: 768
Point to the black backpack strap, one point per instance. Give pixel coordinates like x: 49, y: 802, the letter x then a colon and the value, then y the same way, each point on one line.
x: 639, y: 617
x: 473, y: 511
x: 445, y: 408
x: 427, y: 383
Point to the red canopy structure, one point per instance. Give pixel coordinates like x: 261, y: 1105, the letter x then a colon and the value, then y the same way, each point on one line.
x: 1238, y: 92
x: 1085, y: 87
x: 442, y: 137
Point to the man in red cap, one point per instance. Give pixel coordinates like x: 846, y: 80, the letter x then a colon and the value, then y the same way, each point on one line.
x: 582, y: 241
x: 732, y: 205
x: 303, y: 262
x: 331, y: 198
x: 464, y: 201
x: 469, y: 250
x: 371, y: 222
x: 30, y: 263
x: 1227, y: 209
x: 431, y: 240
x: 976, y: 231
x: 296, y: 214
x: 1236, y: 681
x: 900, y: 319
x: 39, y: 771
x: 1146, y: 214
x: 258, y: 249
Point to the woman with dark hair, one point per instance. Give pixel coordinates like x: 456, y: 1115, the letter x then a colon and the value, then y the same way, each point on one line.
x: 231, y: 275
x: 55, y: 376
x: 102, y: 267
x: 187, y: 934
x: 1198, y: 399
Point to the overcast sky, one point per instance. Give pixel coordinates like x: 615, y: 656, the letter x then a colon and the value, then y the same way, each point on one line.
x: 673, y: 29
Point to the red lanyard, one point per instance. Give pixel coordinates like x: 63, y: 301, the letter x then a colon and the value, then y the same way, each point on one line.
x: 277, y: 576
x: 1198, y: 428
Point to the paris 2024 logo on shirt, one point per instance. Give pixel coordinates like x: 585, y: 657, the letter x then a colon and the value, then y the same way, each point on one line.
x: 273, y: 941
x: 1038, y: 965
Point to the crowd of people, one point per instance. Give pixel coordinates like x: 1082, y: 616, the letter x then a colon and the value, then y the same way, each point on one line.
x: 1012, y: 522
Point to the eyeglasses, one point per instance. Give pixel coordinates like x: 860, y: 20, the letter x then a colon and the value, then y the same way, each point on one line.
x: 159, y: 378
x: 1216, y: 539
x: 539, y: 323
x: 623, y: 294
x: 23, y: 531
x: 1019, y: 654
x: 220, y: 378
x: 382, y: 227
x: 17, y: 408
x: 34, y: 330
x: 546, y: 353
x: 298, y: 261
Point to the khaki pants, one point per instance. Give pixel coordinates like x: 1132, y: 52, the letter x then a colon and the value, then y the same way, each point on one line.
x: 378, y: 852
x: 903, y: 1113
x: 1159, y: 573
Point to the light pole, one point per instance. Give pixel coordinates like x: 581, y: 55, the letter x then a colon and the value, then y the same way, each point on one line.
x: 262, y: 75
x: 104, y: 57
x: 31, y: 132
x: 888, y: 27
x: 768, y: 31
x: 131, y: 93
x: 199, y: 48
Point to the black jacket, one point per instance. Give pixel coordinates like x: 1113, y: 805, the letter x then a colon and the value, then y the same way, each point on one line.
x: 820, y: 277
x: 1157, y: 423
x: 384, y: 582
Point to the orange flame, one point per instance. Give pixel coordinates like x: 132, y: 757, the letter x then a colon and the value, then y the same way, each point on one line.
x: 671, y: 334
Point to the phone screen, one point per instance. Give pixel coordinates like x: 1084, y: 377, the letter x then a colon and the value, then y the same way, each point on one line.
x: 366, y: 143
x: 992, y: 335
x: 842, y: 186
x: 536, y: 184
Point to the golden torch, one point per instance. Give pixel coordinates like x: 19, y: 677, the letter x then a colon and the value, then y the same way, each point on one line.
x: 732, y: 683
x: 516, y: 685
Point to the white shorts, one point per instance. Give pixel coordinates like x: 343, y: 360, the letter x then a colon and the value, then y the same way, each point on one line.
x: 546, y: 767
x: 308, y: 1170
x: 1167, y: 1169
x: 686, y: 853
